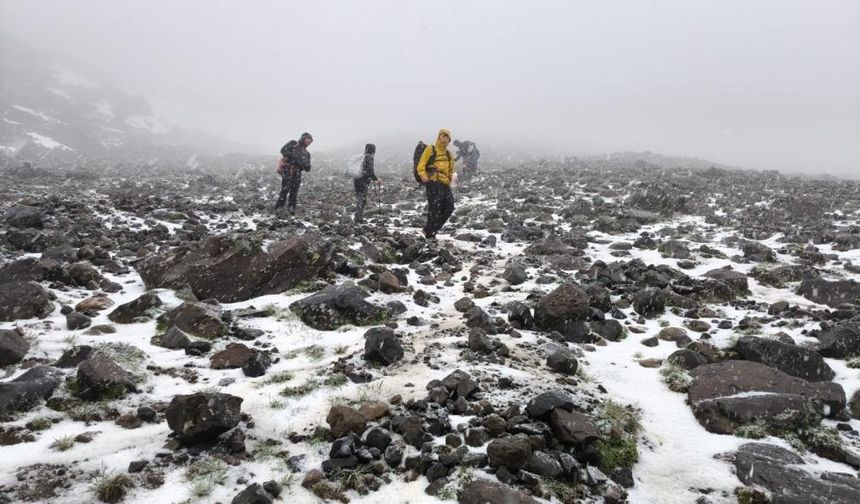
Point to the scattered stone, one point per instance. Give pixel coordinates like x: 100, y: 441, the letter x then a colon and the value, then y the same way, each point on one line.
x: 202, y: 416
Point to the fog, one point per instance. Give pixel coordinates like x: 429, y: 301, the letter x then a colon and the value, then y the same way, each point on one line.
x: 769, y: 84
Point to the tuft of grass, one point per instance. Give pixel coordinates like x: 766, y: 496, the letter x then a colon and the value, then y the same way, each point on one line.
x: 202, y: 487
x: 276, y: 404
x: 617, y: 452
x: 282, y: 377
x: 209, y: 467
x: 39, y: 424
x: 370, y: 391
x: 111, y: 489
x: 675, y: 377
x: 336, y: 380
x: 663, y: 323
x: 301, y: 390
x: 340, y: 349
x: 625, y: 418
x: 463, y: 478
x: 326, y: 491
x: 561, y: 490
x: 314, y: 352
x: 853, y: 363
x: 755, y: 430
x: 265, y: 451
x: 64, y: 443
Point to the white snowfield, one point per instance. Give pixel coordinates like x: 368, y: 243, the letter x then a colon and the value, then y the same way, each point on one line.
x: 677, y: 455
x: 47, y: 142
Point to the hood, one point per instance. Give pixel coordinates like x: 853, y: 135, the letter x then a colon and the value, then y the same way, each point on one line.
x: 369, y: 149
x: 441, y: 131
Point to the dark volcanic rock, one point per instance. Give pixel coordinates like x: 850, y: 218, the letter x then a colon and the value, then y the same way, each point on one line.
x: 136, y: 310
x: 790, y: 359
x: 382, y: 346
x: 649, y: 302
x: 173, y: 339
x: 515, y: 274
x: 253, y: 494
x: 724, y: 415
x: 202, y: 416
x: 234, y: 355
x: 567, y: 303
x: 100, y: 376
x: 13, y: 347
x: 542, y: 405
x: 782, y: 472
x: 27, y: 390
x: 23, y: 216
x: 841, y: 341
x: 76, y: 320
x: 198, y: 319
x: 512, y: 452
x: 481, y: 491
x: 572, y: 428
x: 342, y: 420
x: 830, y: 293
x: 338, y: 305
x: 233, y: 269
x: 72, y: 357
x: 562, y: 361
x: 23, y: 300
x: 730, y: 378
x: 734, y: 279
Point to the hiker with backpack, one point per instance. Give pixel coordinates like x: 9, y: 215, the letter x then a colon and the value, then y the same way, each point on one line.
x: 467, y: 150
x: 362, y: 182
x: 295, y: 159
x: 434, y: 169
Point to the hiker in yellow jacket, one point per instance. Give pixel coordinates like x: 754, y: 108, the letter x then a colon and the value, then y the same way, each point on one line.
x: 436, y: 170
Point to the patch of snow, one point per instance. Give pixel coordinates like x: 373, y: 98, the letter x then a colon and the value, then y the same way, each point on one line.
x: 152, y: 124
x: 34, y: 112
x: 47, y: 142
x: 104, y: 108
x: 60, y: 92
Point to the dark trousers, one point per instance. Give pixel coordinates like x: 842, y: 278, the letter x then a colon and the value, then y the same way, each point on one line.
x: 289, y: 190
x: 440, y: 206
x: 361, y: 188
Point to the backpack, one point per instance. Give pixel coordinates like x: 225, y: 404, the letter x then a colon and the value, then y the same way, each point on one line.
x: 354, y: 166
x: 416, y: 157
x: 283, y: 163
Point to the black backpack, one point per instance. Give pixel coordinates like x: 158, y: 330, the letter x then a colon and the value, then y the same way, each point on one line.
x: 416, y: 157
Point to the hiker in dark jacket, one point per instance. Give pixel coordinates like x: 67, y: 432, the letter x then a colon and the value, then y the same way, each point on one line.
x: 296, y: 160
x: 468, y: 151
x: 362, y: 183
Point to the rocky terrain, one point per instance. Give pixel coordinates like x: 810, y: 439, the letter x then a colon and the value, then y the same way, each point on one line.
x: 604, y: 331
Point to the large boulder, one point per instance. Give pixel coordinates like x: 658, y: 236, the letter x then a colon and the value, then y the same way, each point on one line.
x: 382, y: 346
x: 830, y: 293
x: 784, y: 474
x: 790, y: 359
x: 23, y: 300
x: 343, y: 419
x: 23, y: 216
x: 13, y: 347
x: 649, y: 302
x: 29, y: 269
x: 757, y: 251
x: 200, y: 417
x: 734, y: 279
x: 512, y: 452
x: 100, y: 377
x: 572, y: 427
x: 482, y: 491
x: 338, y: 305
x: 29, y: 389
x: 135, y: 311
x: 541, y: 406
x: 841, y: 341
x: 199, y: 319
x: 566, y: 304
x: 234, y: 355
x: 234, y: 269
x: 728, y: 394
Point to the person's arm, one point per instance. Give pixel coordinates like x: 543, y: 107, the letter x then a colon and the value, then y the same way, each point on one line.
x: 301, y: 160
x: 422, y: 163
x: 368, y: 167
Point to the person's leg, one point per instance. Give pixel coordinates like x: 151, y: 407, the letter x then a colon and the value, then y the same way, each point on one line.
x: 360, y: 200
x: 295, y: 183
x: 434, y: 209
x: 282, y: 197
x: 446, y: 206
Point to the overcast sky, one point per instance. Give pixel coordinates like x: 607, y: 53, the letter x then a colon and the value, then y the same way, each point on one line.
x: 760, y: 84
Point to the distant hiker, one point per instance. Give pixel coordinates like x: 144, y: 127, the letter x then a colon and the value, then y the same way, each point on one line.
x: 295, y: 159
x: 435, y: 169
x: 363, y: 181
x: 467, y: 150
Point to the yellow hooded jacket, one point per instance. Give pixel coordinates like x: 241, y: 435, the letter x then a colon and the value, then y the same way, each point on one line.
x: 442, y: 169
